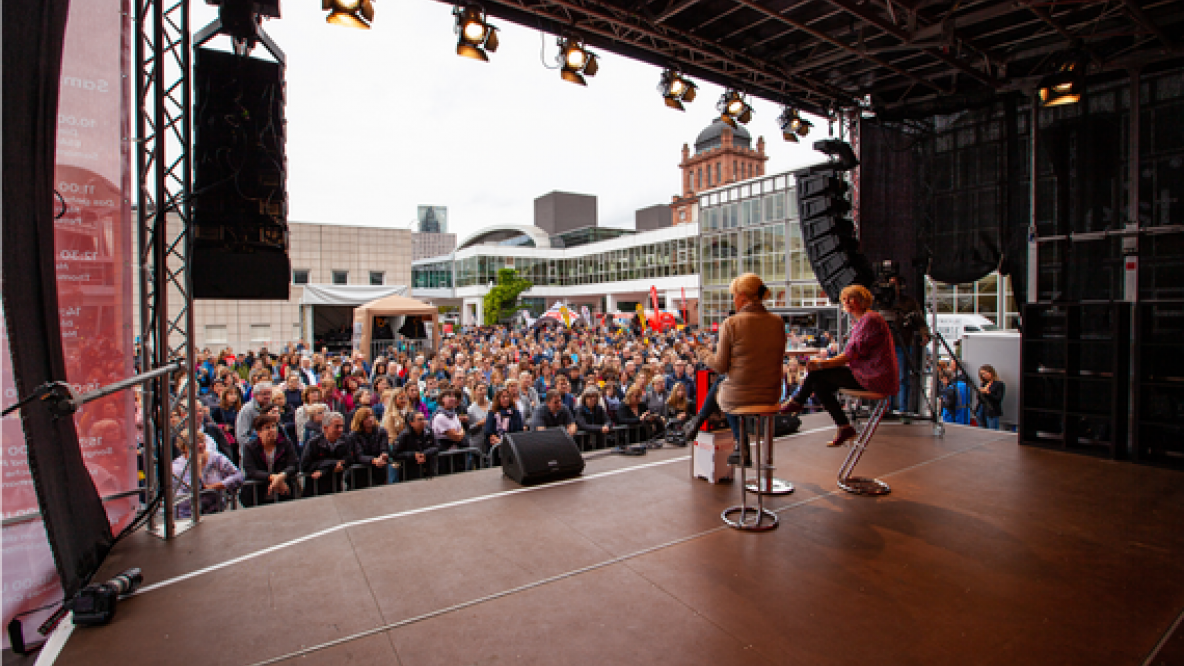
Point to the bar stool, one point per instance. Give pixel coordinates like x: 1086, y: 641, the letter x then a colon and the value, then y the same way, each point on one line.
x: 757, y: 518
x: 857, y: 484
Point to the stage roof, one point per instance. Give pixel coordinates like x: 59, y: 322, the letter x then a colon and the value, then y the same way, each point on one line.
x: 905, y: 54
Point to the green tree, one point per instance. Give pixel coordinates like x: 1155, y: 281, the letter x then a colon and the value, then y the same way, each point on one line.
x: 500, y: 300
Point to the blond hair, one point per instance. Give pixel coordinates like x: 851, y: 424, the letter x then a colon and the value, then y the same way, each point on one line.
x: 749, y: 284
x: 859, y: 293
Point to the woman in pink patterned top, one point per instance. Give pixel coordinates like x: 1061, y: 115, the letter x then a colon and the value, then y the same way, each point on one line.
x: 868, y: 363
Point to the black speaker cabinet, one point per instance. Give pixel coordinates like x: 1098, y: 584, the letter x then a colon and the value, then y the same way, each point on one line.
x: 538, y: 456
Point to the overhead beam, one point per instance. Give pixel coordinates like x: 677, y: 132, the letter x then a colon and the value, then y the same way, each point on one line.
x: 818, y: 34
x: 905, y: 37
x: 1136, y: 12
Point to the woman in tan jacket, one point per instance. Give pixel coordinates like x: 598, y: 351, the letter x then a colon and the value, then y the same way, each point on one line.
x: 751, y: 345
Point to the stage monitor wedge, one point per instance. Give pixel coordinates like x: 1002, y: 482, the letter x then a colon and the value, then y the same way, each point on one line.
x: 239, y: 194
x: 539, y: 456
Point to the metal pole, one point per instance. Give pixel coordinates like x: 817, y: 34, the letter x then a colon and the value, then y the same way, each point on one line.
x: 1130, y: 252
x: 1033, y: 250
x: 186, y: 207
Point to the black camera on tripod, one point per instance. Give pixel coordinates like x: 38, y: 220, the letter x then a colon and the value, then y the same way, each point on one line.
x: 95, y: 604
x: 883, y: 290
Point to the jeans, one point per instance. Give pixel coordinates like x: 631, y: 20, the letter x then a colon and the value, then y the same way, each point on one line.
x: 984, y: 421
x: 904, y: 354
x: 711, y: 406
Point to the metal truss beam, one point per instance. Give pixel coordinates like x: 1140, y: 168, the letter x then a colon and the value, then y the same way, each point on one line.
x: 163, y: 55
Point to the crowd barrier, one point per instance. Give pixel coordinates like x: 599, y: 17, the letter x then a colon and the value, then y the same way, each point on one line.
x: 357, y: 477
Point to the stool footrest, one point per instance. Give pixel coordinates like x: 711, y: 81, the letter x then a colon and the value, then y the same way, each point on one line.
x: 750, y: 519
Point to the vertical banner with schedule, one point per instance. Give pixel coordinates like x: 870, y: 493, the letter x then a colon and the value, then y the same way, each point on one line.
x: 94, y: 262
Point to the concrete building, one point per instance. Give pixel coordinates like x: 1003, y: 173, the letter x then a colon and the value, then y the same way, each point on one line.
x: 358, y: 264
x: 426, y: 245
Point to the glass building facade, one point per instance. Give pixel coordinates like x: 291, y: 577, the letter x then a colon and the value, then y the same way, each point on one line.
x: 991, y: 297
x: 666, y: 258
x: 753, y: 227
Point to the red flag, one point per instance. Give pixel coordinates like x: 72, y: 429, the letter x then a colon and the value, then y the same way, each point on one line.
x: 686, y: 318
x: 656, y: 323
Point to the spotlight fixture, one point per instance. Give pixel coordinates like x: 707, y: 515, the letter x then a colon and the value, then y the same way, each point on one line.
x: 349, y: 13
x: 1066, y: 84
x: 732, y: 107
x: 575, y: 61
x: 676, y: 89
x: 476, y: 35
x: 793, y: 124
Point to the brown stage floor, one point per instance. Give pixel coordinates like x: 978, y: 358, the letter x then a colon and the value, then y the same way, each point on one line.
x: 985, y: 553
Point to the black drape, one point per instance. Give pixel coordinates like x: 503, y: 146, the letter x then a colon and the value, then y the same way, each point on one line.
x: 79, y: 533
x: 888, y: 199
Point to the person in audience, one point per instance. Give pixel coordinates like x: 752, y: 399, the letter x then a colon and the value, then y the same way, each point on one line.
x: 563, y: 385
x: 446, y: 423
x: 990, y: 399
x: 553, y: 414
x: 503, y: 418
x: 293, y: 392
x: 326, y: 458
x: 226, y: 413
x: 287, y: 414
x: 394, y: 417
x: 527, y: 389
x: 681, y: 375
x: 313, y: 424
x: 414, y: 401
x: 217, y: 473
x: 270, y: 466
x: 679, y: 406
x: 310, y: 396
x: 655, y: 403
x: 525, y: 408
x: 416, y: 449
x: 478, y: 411
x: 260, y: 401
x: 591, y: 417
x: 371, y: 449
x: 632, y: 413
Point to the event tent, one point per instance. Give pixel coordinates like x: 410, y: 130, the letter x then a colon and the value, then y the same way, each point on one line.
x: 400, y: 312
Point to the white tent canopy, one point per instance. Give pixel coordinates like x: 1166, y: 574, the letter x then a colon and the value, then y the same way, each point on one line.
x: 348, y: 294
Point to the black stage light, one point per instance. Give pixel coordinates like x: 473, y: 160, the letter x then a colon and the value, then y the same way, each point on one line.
x: 840, y: 153
x: 793, y: 125
x: 476, y: 35
x: 575, y: 61
x: 1066, y: 84
x: 732, y: 107
x: 676, y: 89
x: 349, y: 13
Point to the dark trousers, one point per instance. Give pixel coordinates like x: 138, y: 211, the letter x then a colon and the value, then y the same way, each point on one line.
x: 823, y: 384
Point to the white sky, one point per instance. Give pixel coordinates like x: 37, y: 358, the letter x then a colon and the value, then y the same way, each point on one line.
x: 382, y: 120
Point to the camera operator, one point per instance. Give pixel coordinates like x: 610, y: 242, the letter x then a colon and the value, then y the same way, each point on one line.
x: 908, y: 323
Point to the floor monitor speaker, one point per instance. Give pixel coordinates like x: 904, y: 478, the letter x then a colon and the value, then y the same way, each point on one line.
x: 538, y: 456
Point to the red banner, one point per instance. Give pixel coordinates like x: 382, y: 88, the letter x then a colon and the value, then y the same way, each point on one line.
x: 94, y: 262
x: 656, y: 319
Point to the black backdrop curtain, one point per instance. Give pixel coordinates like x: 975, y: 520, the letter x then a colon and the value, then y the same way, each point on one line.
x: 79, y: 533
x: 888, y: 200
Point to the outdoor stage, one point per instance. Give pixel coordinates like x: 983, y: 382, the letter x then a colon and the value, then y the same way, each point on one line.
x: 985, y: 553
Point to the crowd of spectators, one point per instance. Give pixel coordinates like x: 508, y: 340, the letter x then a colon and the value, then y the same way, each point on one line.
x: 302, y: 422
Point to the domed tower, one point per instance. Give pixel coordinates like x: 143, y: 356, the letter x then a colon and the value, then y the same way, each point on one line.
x: 723, y: 155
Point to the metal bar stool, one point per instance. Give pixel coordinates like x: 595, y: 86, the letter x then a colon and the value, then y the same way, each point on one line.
x: 858, y: 484
x: 757, y: 518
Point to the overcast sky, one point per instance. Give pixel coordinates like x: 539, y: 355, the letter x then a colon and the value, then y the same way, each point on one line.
x: 382, y: 120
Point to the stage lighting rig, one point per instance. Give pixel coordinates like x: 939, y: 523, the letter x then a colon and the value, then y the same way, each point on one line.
x: 1067, y: 83
x: 476, y: 34
x: 676, y: 89
x: 575, y: 61
x: 349, y: 13
x: 732, y: 107
x: 793, y: 125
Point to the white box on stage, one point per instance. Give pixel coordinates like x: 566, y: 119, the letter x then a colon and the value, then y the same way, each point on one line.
x: 711, y: 455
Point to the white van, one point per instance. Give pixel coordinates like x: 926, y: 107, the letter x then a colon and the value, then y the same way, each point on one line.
x: 954, y: 326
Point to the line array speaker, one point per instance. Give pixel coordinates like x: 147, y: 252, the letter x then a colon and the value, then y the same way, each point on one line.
x: 829, y: 236
x: 240, y: 201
